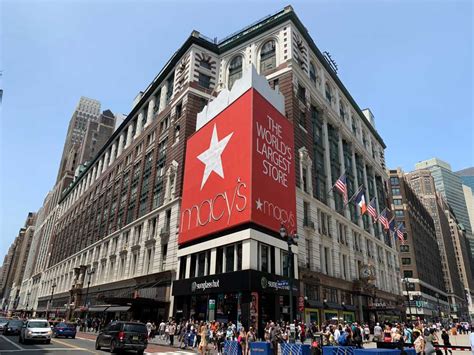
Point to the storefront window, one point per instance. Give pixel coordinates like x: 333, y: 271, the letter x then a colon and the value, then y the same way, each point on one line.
x: 229, y: 258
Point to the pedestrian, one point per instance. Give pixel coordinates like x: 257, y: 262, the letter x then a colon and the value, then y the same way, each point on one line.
x: 446, y: 341
x: 366, y: 332
x: 172, y: 330
x: 418, y: 342
x: 377, y: 333
x: 204, y: 337
x: 242, y: 339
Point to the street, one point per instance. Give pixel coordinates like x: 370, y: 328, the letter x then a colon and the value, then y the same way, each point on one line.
x: 82, y: 344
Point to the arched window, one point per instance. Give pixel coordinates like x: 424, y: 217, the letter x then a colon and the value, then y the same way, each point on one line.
x: 268, y: 56
x: 312, y: 72
x: 235, y: 70
x: 328, y: 92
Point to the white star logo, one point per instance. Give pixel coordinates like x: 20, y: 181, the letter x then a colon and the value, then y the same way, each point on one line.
x: 212, y: 156
x: 259, y: 204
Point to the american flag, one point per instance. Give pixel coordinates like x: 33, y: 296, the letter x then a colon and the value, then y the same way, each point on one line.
x: 341, y: 185
x: 371, y: 209
x: 399, y: 232
x: 383, y: 219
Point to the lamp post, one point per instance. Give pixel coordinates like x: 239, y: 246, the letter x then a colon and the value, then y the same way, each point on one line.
x: 53, y: 286
x: 27, y: 302
x: 291, y: 240
x: 439, y: 309
x: 90, y: 273
x: 406, y: 282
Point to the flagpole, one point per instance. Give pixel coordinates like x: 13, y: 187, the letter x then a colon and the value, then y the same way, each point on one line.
x: 358, y: 190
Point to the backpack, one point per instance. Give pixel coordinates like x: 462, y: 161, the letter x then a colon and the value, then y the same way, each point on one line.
x: 342, y: 339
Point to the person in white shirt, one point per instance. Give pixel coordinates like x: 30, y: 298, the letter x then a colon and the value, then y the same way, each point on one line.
x: 377, y: 333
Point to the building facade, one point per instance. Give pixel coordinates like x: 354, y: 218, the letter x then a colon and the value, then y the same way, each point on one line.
x: 116, y: 232
x: 15, y: 264
x: 86, y: 110
x: 467, y: 177
x: 450, y: 186
x: 420, y: 258
x: 87, y: 132
x: 423, y: 185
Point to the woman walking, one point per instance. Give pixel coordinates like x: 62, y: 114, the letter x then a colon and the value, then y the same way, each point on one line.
x: 242, y: 339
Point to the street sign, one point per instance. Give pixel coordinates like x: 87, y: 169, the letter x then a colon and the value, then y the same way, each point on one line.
x: 212, y: 304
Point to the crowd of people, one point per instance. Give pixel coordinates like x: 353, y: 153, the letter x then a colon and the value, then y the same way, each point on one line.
x: 203, y: 336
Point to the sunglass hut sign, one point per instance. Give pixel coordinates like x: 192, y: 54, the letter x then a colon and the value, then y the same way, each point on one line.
x: 239, y: 168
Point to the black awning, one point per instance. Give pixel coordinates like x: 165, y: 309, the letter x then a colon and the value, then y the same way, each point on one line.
x: 99, y: 308
x: 118, y: 309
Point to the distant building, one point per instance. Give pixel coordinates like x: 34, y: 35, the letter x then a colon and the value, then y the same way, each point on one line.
x: 15, y: 263
x: 86, y: 110
x: 420, y: 259
x: 423, y: 185
x: 467, y: 177
x: 450, y: 186
x: 97, y: 134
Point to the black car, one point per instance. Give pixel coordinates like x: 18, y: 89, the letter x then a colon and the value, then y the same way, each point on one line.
x: 119, y: 336
x: 13, y: 327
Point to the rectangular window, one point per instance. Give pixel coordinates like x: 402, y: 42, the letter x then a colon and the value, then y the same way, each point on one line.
x: 264, y: 258
x: 179, y: 110
x: 201, y: 263
x: 397, y: 202
x: 284, y: 263
x: 406, y: 261
x: 219, y: 260
x: 394, y: 181
x: 408, y: 273
x: 399, y: 213
x: 182, y: 267
x: 204, y: 80
x: 395, y: 192
x: 302, y: 119
x: 404, y: 248
x: 229, y: 258
x: 301, y: 93
x: 239, y: 256
x: 193, y: 266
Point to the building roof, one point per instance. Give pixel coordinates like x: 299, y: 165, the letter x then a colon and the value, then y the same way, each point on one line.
x: 219, y: 47
x: 466, y: 172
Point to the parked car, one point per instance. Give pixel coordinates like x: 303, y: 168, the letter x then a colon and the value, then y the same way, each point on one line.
x: 36, y: 329
x: 3, y: 322
x: 12, y: 327
x: 119, y: 336
x: 64, y: 330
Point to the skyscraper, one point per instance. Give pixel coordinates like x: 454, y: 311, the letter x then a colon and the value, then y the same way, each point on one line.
x: 86, y: 110
x: 423, y: 185
x: 420, y: 262
x: 449, y: 185
x: 467, y: 177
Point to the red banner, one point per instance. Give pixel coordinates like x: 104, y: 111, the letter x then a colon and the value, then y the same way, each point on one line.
x: 239, y: 168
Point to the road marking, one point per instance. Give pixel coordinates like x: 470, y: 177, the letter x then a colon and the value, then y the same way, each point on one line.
x: 41, y: 349
x: 13, y: 343
x: 85, y: 338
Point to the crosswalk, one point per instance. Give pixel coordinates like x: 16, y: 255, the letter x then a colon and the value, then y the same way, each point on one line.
x: 170, y: 353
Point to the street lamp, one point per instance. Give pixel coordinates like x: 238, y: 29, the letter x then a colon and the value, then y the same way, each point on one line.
x: 90, y: 273
x: 291, y: 240
x: 53, y: 286
x: 27, y: 301
x: 406, y: 282
x: 439, y: 309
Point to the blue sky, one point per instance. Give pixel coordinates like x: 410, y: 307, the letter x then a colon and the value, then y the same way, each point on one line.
x: 409, y: 61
